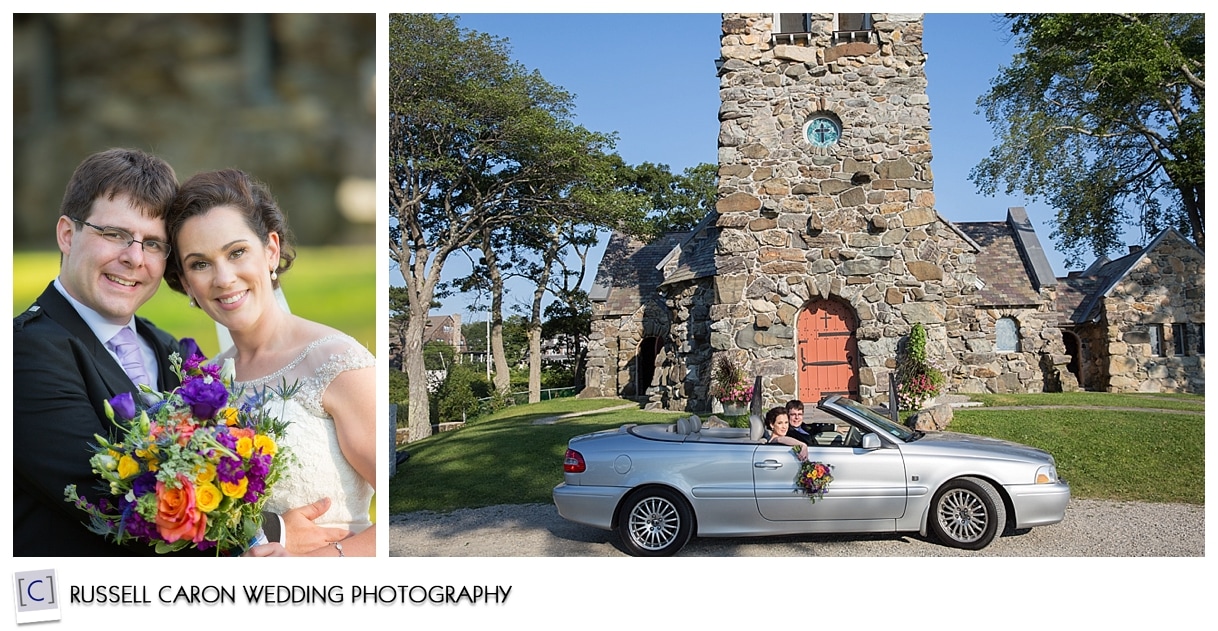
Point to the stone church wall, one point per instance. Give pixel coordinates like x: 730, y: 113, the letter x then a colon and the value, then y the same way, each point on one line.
x: 1165, y: 288
x: 1038, y: 365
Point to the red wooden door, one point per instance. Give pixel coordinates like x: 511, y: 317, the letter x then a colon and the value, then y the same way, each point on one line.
x: 827, y: 352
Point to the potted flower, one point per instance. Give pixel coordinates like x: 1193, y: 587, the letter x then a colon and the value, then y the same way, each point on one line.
x: 918, y: 380
x: 730, y: 386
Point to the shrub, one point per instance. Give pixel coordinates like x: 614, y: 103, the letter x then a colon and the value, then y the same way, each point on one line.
x: 399, y: 387
x: 457, y: 398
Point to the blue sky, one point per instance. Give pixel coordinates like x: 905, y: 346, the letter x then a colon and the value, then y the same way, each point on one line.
x: 651, y: 79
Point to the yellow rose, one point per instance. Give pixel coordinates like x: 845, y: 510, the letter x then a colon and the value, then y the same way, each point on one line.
x: 245, y: 447
x: 228, y: 415
x: 127, y: 467
x: 235, y: 490
x: 266, y: 444
x: 207, y: 497
x: 206, y: 473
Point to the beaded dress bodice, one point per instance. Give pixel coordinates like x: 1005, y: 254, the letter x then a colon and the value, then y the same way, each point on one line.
x: 320, y: 469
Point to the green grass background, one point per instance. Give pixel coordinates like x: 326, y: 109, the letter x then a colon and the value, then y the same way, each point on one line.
x: 332, y: 285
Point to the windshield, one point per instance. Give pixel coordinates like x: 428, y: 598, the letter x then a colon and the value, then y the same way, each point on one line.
x: 880, y: 421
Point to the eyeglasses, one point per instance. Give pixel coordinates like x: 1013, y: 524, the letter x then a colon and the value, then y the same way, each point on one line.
x: 123, y: 239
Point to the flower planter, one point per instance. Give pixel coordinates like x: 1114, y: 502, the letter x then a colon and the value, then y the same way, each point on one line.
x: 735, y: 409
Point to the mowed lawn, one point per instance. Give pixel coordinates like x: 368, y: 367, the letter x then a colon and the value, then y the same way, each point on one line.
x: 1144, y: 455
x: 331, y: 285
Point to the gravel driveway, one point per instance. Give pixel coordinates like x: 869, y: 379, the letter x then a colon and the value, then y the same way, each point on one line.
x: 1092, y: 528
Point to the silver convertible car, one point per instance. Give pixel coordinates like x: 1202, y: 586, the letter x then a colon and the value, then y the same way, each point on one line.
x: 658, y: 485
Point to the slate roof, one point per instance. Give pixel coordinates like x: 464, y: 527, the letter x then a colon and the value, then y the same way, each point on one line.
x: 694, y: 256
x: 627, y: 271
x: 1079, y: 297
x: 1000, y: 265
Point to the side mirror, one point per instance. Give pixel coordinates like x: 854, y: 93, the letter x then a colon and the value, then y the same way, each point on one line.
x: 871, y: 441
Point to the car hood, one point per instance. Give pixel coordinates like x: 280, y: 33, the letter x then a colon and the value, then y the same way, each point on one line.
x: 970, y: 444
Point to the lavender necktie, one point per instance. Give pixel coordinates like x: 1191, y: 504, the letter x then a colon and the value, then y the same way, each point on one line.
x: 127, y: 348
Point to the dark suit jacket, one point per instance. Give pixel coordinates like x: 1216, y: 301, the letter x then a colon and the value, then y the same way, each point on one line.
x: 61, y: 375
x: 801, y: 435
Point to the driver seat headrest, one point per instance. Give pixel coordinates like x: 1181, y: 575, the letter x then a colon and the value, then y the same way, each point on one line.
x: 756, y: 427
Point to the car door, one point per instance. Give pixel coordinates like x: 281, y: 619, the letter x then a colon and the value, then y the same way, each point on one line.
x: 867, y: 484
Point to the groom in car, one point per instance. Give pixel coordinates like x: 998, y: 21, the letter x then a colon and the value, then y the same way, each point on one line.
x: 80, y: 344
x: 795, y: 416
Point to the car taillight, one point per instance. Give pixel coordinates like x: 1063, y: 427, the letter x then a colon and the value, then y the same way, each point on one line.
x: 573, y: 462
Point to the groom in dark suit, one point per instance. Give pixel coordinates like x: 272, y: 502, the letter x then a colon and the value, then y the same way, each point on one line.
x: 80, y: 344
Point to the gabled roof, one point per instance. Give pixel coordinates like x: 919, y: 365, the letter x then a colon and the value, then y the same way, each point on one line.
x: 1084, y: 292
x: 1011, y: 264
x: 628, y: 271
x: 434, y: 329
x: 694, y: 256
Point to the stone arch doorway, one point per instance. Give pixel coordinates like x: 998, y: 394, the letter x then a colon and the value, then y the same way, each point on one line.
x: 645, y: 364
x: 827, y: 355
x: 1074, y: 348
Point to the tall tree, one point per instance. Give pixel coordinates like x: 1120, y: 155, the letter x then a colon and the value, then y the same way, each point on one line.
x: 677, y: 201
x: 1102, y: 116
x: 470, y: 133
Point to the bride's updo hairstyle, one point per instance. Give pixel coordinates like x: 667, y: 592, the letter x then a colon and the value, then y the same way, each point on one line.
x: 236, y: 189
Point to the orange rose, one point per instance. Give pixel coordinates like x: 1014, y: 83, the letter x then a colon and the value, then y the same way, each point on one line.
x: 185, y: 430
x: 177, y: 516
x: 241, y: 432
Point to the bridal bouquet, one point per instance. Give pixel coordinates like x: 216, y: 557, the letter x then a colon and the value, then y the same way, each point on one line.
x: 192, y: 469
x: 814, y: 479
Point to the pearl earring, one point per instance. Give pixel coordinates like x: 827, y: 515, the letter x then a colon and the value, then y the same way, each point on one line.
x: 193, y: 304
x: 274, y: 275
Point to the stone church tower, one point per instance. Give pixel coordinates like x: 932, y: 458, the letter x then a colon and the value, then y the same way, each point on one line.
x: 826, y: 247
x: 830, y: 246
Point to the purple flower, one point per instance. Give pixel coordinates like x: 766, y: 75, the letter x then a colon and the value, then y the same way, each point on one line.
x: 229, y: 470
x: 123, y: 405
x: 255, y: 489
x: 211, y: 369
x: 140, y: 527
x: 204, y: 395
x: 190, y: 350
x: 226, y: 439
x: 260, y: 465
x: 144, y: 484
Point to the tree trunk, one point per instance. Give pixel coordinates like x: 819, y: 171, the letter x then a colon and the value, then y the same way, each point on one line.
x: 539, y: 292
x: 503, y: 377
x: 419, y: 412
x: 534, y: 361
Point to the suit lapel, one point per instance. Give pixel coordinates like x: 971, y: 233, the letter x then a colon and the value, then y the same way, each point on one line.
x: 61, y: 311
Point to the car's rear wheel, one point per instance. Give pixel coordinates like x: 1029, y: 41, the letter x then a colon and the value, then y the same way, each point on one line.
x: 655, y: 522
x: 967, y: 513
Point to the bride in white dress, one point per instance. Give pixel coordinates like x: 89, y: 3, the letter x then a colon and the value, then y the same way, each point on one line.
x: 230, y: 243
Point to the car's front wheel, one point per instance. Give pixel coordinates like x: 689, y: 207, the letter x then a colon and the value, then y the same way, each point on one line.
x: 967, y: 513
x: 655, y: 522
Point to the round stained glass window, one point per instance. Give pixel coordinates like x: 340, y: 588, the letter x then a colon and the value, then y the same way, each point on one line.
x: 822, y: 131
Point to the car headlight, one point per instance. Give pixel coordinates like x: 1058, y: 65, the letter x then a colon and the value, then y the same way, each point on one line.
x: 1046, y: 475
